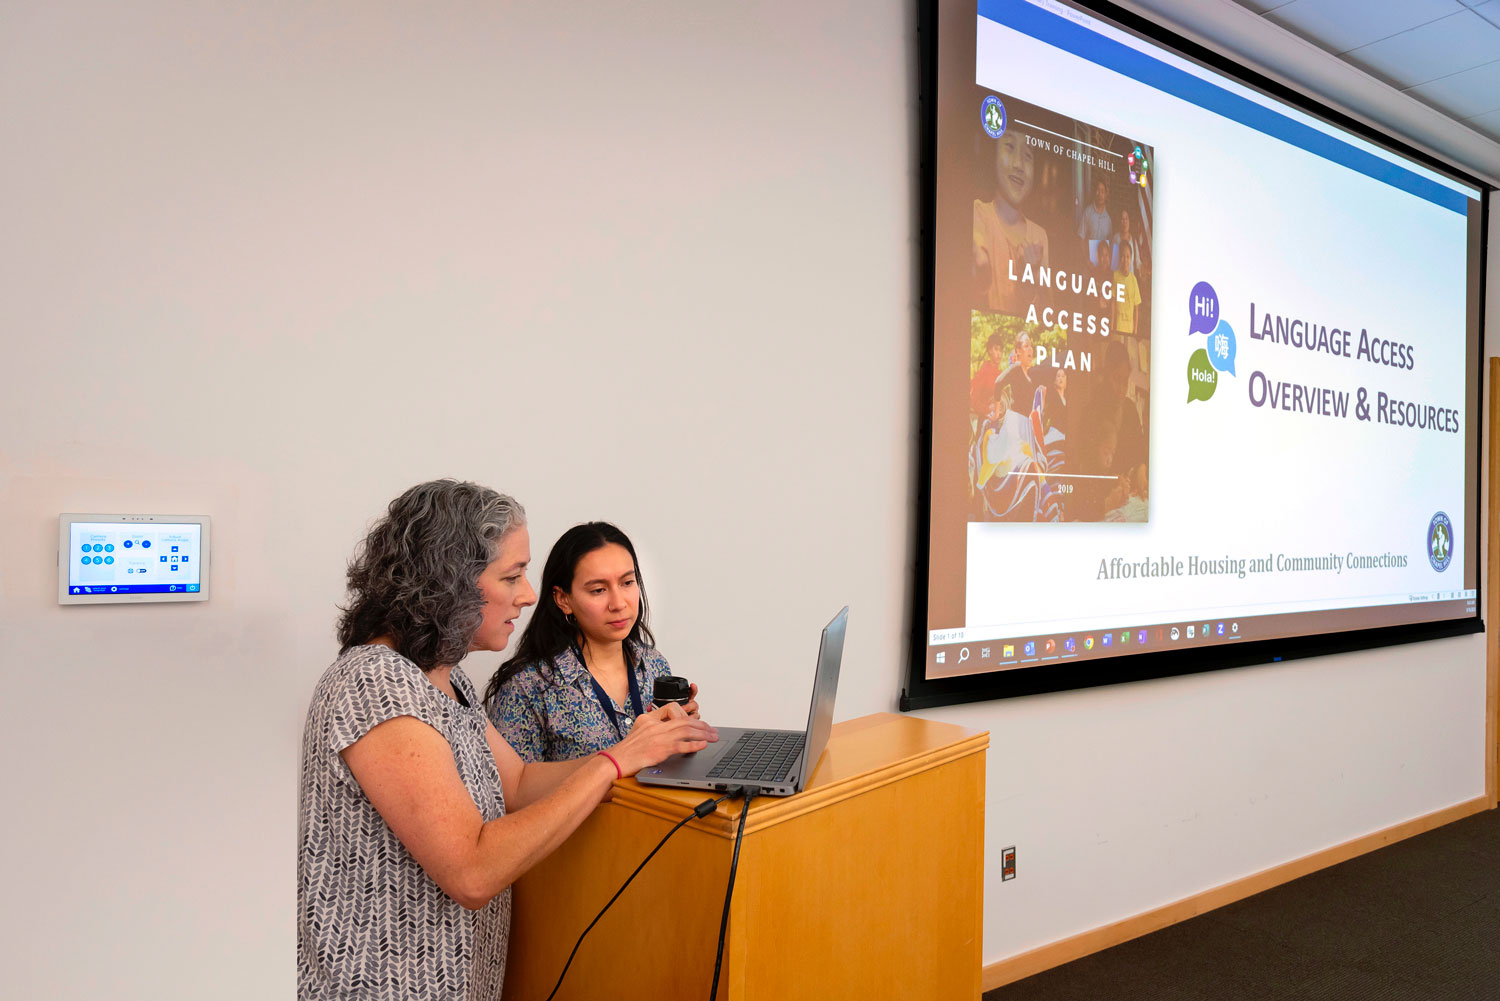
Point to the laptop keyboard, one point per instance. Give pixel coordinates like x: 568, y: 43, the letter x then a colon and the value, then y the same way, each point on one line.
x: 759, y: 756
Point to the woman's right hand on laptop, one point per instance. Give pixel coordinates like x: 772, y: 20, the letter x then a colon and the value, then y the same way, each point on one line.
x: 658, y: 734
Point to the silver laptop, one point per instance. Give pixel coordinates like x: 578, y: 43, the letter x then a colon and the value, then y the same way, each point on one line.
x: 768, y: 762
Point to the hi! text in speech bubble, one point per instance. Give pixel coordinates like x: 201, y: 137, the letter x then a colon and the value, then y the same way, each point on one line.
x: 1203, y: 309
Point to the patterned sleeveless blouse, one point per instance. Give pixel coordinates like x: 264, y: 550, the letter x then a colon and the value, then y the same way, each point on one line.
x: 371, y: 924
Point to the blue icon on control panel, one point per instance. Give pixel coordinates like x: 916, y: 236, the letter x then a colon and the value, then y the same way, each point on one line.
x: 192, y: 587
x: 109, y: 548
x: 145, y: 543
x: 127, y: 543
x: 98, y: 548
x: 184, y: 559
x: 109, y: 559
x: 85, y: 560
x: 175, y: 566
x: 85, y: 547
x: 174, y: 549
x: 164, y: 559
x: 98, y: 559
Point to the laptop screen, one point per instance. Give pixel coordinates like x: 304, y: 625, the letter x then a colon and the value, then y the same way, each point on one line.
x: 825, y: 686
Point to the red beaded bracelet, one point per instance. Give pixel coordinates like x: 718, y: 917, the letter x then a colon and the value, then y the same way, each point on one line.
x: 618, y: 774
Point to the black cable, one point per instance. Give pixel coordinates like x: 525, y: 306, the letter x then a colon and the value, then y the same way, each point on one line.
x: 734, y: 864
x: 703, y: 809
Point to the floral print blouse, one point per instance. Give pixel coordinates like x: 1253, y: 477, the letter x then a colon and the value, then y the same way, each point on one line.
x: 550, y: 711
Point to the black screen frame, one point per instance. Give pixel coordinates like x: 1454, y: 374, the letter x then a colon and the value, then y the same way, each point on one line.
x: 924, y: 693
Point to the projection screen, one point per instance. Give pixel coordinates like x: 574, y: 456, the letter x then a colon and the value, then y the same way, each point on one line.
x: 1202, y: 375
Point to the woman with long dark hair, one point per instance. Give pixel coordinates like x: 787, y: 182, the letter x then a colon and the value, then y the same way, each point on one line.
x: 585, y: 666
x: 416, y: 816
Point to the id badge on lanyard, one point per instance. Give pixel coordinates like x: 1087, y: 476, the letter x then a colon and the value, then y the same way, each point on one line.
x: 606, y: 703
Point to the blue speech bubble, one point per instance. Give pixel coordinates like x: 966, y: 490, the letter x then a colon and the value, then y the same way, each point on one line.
x: 1203, y: 309
x: 1221, y: 348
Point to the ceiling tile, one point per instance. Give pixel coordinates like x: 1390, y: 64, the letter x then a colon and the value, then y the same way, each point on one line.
x: 1261, y: 6
x: 1341, y: 25
x: 1488, y: 125
x: 1438, y: 48
x: 1490, y: 10
x: 1464, y: 95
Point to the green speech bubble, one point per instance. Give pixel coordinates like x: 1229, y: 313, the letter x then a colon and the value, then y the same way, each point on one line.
x: 1202, y: 379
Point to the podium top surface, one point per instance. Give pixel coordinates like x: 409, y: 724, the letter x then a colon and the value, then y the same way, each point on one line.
x: 862, y: 754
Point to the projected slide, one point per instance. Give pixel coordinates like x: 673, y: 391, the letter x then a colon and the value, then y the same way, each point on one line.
x: 1204, y: 367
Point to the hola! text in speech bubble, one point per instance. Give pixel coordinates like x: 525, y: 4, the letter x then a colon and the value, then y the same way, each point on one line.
x: 1221, y: 348
x: 1203, y: 309
x: 1202, y: 379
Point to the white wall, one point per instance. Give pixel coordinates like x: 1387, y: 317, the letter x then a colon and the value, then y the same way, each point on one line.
x: 276, y: 262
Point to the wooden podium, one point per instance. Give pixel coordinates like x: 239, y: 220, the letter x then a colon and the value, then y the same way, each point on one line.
x: 867, y: 884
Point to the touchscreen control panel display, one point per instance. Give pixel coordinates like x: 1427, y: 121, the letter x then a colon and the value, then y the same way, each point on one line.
x: 105, y: 558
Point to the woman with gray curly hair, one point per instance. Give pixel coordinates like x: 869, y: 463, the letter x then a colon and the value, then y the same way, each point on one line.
x: 415, y: 815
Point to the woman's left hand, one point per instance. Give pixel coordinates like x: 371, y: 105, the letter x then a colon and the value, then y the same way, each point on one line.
x: 692, y: 704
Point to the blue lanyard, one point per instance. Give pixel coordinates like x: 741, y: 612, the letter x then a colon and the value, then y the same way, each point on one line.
x: 605, y: 702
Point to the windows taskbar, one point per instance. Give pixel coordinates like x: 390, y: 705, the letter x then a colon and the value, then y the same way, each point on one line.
x: 961, y: 657
x: 1001, y: 654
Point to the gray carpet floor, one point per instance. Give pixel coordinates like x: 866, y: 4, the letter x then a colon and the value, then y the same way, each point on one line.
x: 1415, y: 921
